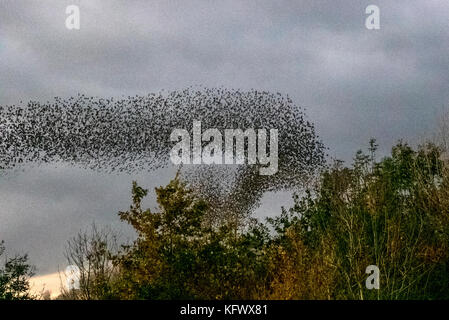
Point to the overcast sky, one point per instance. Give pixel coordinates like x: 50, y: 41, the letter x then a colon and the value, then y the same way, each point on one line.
x: 355, y: 83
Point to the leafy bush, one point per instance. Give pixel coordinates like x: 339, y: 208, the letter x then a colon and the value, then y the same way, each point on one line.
x: 14, y: 277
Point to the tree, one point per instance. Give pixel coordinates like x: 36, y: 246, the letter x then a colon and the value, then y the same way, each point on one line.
x: 91, y: 252
x: 392, y: 214
x: 158, y: 262
x: 178, y: 255
x: 14, y: 277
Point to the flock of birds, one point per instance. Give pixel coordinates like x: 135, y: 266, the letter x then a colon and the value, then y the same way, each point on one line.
x: 133, y: 133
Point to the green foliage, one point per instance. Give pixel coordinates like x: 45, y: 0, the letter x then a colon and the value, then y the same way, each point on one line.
x: 14, y: 277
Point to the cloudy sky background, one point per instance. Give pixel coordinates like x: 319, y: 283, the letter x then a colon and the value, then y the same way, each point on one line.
x: 355, y: 84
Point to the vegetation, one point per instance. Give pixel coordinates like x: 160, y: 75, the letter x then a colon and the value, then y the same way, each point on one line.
x: 14, y: 277
x: 391, y: 213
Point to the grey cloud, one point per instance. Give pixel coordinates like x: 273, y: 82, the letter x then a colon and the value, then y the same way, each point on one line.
x: 355, y: 83
x: 42, y: 207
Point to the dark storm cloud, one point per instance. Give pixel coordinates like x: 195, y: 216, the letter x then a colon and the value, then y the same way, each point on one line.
x: 355, y: 83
